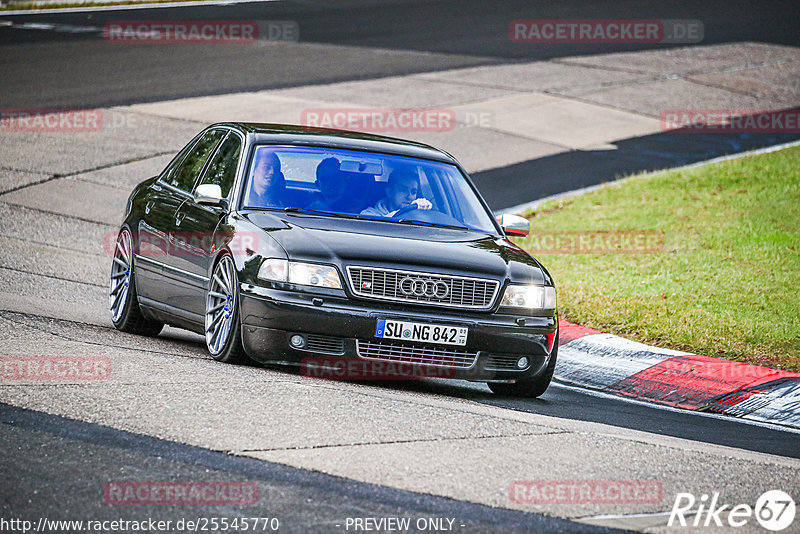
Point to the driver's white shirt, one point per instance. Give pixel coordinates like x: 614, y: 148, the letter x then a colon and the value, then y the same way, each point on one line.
x: 380, y: 209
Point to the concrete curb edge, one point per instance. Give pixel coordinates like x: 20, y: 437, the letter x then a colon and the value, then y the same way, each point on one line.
x: 612, y: 364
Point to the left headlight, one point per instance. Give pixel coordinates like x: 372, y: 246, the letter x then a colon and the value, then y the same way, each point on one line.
x: 530, y: 297
x: 304, y: 274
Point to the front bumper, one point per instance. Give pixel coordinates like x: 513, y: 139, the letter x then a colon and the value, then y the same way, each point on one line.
x: 340, y: 331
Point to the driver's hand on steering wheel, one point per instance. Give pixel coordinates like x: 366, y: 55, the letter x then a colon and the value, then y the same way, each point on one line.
x: 423, y: 203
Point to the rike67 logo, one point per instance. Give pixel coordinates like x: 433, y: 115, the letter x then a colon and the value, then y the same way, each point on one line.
x: 774, y: 510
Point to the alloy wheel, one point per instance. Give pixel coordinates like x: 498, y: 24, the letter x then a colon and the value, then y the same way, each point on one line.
x: 220, y: 305
x: 120, y: 275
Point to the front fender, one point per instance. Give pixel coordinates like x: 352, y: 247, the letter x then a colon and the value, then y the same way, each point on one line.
x: 247, y: 244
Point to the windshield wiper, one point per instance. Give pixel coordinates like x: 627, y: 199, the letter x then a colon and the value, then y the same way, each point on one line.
x: 322, y: 212
x: 439, y: 225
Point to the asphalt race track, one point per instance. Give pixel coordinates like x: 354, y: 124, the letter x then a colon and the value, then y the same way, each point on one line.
x: 341, y: 41
x: 319, y: 451
x: 304, y: 501
x: 61, y: 61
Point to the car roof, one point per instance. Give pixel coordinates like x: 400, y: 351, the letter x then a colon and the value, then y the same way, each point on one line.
x: 304, y: 135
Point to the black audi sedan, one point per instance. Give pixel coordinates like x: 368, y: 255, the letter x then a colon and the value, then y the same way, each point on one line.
x: 284, y: 244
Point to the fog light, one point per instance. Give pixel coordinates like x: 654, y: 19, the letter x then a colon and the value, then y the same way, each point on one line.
x: 297, y: 341
x: 522, y: 363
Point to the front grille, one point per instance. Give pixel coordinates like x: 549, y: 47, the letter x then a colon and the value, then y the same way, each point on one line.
x: 326, y: 344
x: 502, y: 362
x: 423, y: 288
x: 402, y: 352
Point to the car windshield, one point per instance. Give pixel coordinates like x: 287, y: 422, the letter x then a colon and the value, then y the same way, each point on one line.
x: 347, y: 183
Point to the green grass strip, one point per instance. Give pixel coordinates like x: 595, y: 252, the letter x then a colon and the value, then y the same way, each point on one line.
x: 726, y: 281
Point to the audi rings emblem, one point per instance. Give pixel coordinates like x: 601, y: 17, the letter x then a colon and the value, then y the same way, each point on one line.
x: 420, y: 287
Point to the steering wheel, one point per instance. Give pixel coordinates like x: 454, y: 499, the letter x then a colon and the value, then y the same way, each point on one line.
x: 405, y: 209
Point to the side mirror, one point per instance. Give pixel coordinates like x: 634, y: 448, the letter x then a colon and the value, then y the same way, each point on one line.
x: 208, y: 194
x: 514, y: 225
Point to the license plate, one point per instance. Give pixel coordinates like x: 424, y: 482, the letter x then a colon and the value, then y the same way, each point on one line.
x: 424, y: 332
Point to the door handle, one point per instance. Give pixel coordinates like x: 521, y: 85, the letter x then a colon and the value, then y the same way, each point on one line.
x: 179, y: 218
x: 148, y: 207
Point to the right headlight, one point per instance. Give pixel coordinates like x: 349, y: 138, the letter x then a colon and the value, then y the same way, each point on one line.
x: 530, y: 297
x: 305, y: 274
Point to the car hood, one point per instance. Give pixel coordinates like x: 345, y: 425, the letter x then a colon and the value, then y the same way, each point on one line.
x: 346, y: 242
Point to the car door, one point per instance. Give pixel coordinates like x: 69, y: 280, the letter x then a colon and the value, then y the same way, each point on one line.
x: 153, y: 230
x: 196, y: 238
x: 179, y: 185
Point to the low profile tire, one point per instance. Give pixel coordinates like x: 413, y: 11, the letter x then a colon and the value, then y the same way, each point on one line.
x: 222, y: 326
x: 532, y: 388
x: 122, y: 300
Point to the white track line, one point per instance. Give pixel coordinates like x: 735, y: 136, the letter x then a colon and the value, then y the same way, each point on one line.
x: 126, y: 7
x: 54, y: 27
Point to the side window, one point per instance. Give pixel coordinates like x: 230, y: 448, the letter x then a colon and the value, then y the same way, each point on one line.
x: 184, y: 175
x: 222, y: 169
x: 175, y: 164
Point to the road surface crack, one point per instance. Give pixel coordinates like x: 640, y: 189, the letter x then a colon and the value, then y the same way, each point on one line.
x: 48, y: 212
x: 403, y: 441
x: 57, y: 176
x: 23, y: 271
x: 9, y: 316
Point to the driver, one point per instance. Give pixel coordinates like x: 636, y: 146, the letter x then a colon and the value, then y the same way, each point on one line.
x: 401, y: 191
